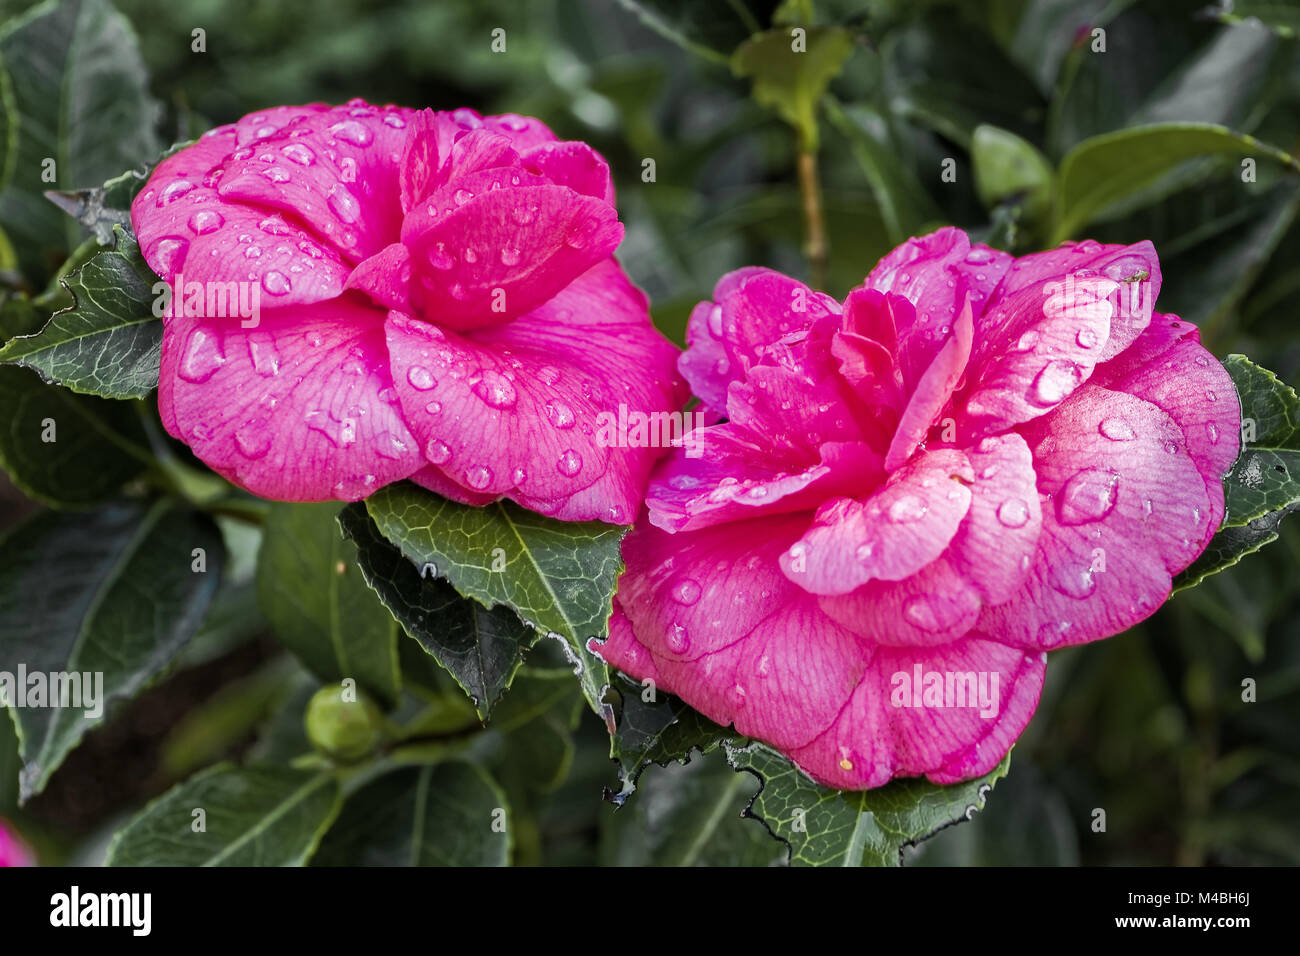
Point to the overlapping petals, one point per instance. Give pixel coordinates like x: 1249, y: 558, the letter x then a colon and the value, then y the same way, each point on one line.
x: 914, y: 494
x: 366, y: 294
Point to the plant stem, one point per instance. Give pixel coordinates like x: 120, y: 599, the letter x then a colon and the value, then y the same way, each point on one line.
x: 814, y: 224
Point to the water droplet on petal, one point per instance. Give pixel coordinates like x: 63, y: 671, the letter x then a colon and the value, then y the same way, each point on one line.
x: 1013, y: 513
x: 438, y: 257
x: 175, y: 191
x: 570, y: 463
x: 548, y: 374
x: 275, y: 283
x: 438, y: 452
x: 715, y: 322
x: 1212, y: 433
x: 686, y: 591
x: 559, y: 414
x: 907, y: 509
x: 1028, y: 340
x: 931, y: 614
x: 205, y: 221
x: 1089, y: 495
x: 350, y: 131
x: 479, y: 477
x: 518, y: 475
x: 1073, y: 580
x: 721, y: 366
x: 510, y: 257
x: 421, y: 378
x: 253, y: 439
x: 1086, y: 338
x: 495, y: 389
x: 344, y: 204
x: 300, y: 153
x: 1055, y: 382
x: 978, y: 256
x: 1116, y: 429
x: 170, y: 254
x: 395, y: 121
x: 203, y: 355
x: 678, y: 639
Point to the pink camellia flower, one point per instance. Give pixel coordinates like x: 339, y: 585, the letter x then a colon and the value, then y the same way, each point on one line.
x: 916, y: 494
x: 13, y: 851
x: 364, y: 294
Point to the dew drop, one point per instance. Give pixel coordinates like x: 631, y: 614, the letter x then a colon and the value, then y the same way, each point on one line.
x: 205, y: 221
x: 570, y: 463
x: 678, y: 639
x: 1028, y: 340
x: 715, y: 322
x: 175, y: 191
x: 1057, y: 380
x: 253, y: 439
x: 344, y: 204
x: 438, y: 452
x: 434, y: 407
x: 276, y: 283
x: 170, y: 253
x: 479, y: 477
x: 549, y: 374
x: 1089, y: 495
x: 931, y: 615
x: 203, y: 355
x: 518, y: 475
x: 1212, y: 433
x: 1013, y: 513
x: 495, y: 389
x: 1116, y: 429
x: 686, y: 591
x: 421, y: 378
x: 559, y: 414
x: 462, y: 196
x: 510, y: 257
x: 907, y: 509
x: 350, y: 131
x: 300, y: 153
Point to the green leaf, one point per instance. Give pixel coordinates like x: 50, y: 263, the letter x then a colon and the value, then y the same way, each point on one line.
x: 1010, y: 168
x: 450, y: 814
x: 109, y: 343
x: 660, y: 730
x: 904, y: 205
x: 689, y: 815
x: 318, y: 604
x: 791, y: 72
x: 481, y: 648
x: 1263, y: 486
x: 1277, y: 15
x: 1101, y: 172
x: 703, y: 27
x: 557, y: 576
x: 63, y: 449
x: 252, y: 816
x: 825, y: 827
x: 76, y: 94
x: 111, y: 593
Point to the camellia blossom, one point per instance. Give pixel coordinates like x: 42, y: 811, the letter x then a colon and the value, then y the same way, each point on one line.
x: 363, y: 294
x: 915, y: 494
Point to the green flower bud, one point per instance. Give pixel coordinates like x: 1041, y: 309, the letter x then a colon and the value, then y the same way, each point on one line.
x: 345, y: 725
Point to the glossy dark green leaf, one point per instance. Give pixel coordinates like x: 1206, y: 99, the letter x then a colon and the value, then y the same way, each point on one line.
x: 1008, y: 167
x: 109, y: 343
x: 689, y: 815
x: 481, y: 648
x: 654, y: 727
x: 116, y: 592
x: 318, y: 604
x: 704, y: 27
x: 557, y: 576
x: 449, y: 814
x: 75, y: 95
x: 825, y: 827
x: 251, y: 816
x: 1263, y: 486
x: 1103, y: 171
x: 64, y: 449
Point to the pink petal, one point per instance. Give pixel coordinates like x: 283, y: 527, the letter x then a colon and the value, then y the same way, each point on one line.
x: 571, y: 164
x: 903, y: 526
x: 1134, y: 269
x: 516, y: 409
x: 931, y: 272
x: 936, y: 605
x: 485, y: 251
x: 704, y: 364
x: 623, y: 651
x: 995, y: 544
x: 385, y: 277
x: 1121, y: 492
x: 300, y: 408
x: 873, y: 740
x: 932, y: 392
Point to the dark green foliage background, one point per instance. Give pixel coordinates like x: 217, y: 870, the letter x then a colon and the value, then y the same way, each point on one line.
x: 1149, y: 726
